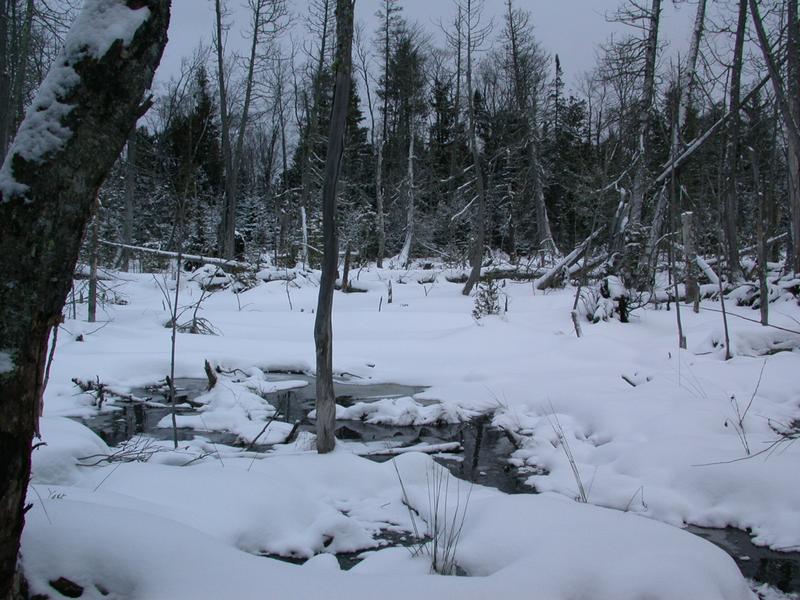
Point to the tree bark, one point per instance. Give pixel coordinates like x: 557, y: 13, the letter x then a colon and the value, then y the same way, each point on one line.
x: 46, y: 213
x: 323, y: 334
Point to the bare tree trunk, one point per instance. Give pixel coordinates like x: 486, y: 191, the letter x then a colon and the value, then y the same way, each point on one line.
x: 379, y: 223
x: 405, y: 253
x: 44, y: 209
x: 479, y: 236
x: 130, y: 202
x: 346, y: 269
x: 94, y: 247
x: 304, y: 233
x: 640, y: 182
x: 323, y: 334
x: 732, y: 149
x: 543, y: 232
x: 690, y: 258
x: 763, y: 290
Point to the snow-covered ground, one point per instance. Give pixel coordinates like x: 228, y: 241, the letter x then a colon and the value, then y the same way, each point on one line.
x: 657, y: 451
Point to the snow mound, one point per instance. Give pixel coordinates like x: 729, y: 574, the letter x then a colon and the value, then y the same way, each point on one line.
x: 210, y: 277
x: 66, y: 442
x: 750, y: 341
x: 186, y: 539
x: 233, y: 408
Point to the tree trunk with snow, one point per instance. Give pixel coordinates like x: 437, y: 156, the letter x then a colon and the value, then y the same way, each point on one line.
x: 323, y: 331
x: 47, y: 190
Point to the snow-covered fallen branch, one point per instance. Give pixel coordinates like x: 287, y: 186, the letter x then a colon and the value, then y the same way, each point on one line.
x: 211, y: 260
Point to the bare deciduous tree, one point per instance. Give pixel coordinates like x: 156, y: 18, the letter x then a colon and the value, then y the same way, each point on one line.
x: 323, y: 331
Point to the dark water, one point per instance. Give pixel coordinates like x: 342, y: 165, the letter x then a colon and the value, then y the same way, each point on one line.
x: 779, y: 569
x: 483, y: 460
x: 137, y: 419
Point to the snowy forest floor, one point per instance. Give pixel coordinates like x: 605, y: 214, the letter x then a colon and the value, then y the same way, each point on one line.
x: 649, y: 455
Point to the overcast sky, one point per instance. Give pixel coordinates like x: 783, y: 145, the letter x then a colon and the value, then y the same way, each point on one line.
x: 570, y: 28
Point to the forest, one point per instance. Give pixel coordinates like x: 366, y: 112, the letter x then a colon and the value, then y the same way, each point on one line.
x: 389, y: 306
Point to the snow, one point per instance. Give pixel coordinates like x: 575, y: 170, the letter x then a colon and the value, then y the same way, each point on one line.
x: 155, y: 531
x: 651, y: 458
x: 42, y: 131
x: 402, y: 412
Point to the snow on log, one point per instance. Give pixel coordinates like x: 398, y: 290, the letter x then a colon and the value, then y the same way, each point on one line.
x: 209, y: 260
x: 424, y: 448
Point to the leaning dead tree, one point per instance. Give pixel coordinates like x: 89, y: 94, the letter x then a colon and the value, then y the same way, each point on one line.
x: 78, y: 124
x: 323, y: 332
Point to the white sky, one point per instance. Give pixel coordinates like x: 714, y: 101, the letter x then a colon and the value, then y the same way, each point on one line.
x: 570, y: 28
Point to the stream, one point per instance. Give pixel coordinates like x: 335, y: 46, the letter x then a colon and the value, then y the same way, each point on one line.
x: 483, y: 460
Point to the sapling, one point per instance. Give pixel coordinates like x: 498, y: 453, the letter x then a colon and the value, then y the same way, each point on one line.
x: 487, y: 300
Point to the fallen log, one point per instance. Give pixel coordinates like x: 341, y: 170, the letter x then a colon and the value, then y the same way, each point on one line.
x: 424, y: 448
x: 547, y: 280
x: 210, y: 260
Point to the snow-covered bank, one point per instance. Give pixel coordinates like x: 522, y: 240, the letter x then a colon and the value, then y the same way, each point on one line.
x: 638, y: 448
x: 153, y: 531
